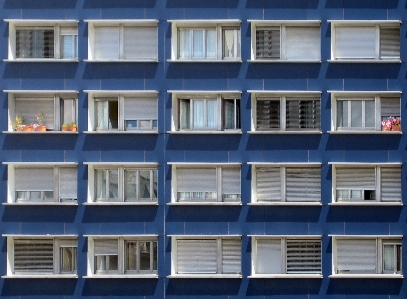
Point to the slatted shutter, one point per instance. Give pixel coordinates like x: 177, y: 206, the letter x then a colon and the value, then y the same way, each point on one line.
x: 231, y: 180
x: 29, y: 107
x: 34, y: 179
x: 105, y: 247
x: 68, y: 183
x: 269, y: 256
x: 389, y: 42
x: 34, y: 256
x: 268, y: 184
x: 355, y: 42
x: 140, y: 108
x: 302, y: 43
x: 268, y: 113
x: 196, y: 179
x: 197, y: 256
x: 356, y: 256
x: 303, y: 184
x: 231, y: 256
x: 359, y: 178
x: 140, y: 42
x: 268, y: 43
x: 107, y: 41
x: 390, y: 107
x: 390, y: 183
x: 303, y: 256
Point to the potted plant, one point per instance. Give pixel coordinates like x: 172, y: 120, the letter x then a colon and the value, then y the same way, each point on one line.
x: 70, y: 126
x: 395, y: 124
x: 17, y: 124
x: 41, y: 120
x: 386, y: 125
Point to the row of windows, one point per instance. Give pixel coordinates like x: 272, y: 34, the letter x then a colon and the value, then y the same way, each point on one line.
x: 208, y: 256
x: 192, y: 111
x: 352, y: 183
x: 205, y: 40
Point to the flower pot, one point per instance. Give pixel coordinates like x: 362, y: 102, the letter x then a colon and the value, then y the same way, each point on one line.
x: 64, y: 128
x: 386, y: 128
x: 40, y: 128
x: 395, y: 128
x: 26, y: 128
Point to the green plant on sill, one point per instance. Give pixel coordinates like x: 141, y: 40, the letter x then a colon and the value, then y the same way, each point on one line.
x: 40, y: 118
x: 17, y: 123
x: 69, y: 124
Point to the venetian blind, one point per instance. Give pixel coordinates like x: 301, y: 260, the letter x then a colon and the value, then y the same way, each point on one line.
x: 197, y: 256
x: 303, y: 184
x: 268, y: 183
x: 68, y: 183
x: 33, y: 256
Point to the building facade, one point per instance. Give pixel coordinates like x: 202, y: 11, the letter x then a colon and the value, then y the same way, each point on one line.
x: 203, y: 149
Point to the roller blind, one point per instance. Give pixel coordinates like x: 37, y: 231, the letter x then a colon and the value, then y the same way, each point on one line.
x: 269, y: 257
x: 68, y: 183
x: 391, y: 184
x: 268, y: 184
x: 196, y: 179
x: 389, y: 42
x: 355, y: 178
x: 355, y: 42
x: 140, y: 42
x: 356, y: 256
x: 390, y: 107
x: 302, y: 43
x: 197, y: 256
x: 231, y: 256
x: 28, y: 108
x: 230, y: 180
x: 34, y: 179
x: 105, y: 246
x: 140, y: 108
x: 303, y: 256
x: 303, y: 184
x: 107, y: 41
x: 33, y: 256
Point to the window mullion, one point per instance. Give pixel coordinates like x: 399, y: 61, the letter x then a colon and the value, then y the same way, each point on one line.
x: 282, y: 42
x: 120, y: 107
x: 283, y: 113
x: 191, y: 114
x: 219, y: 256
x: 107, y: 173
x: 120, y: 183
x: 56, y: 184
x: 377, y: 113
x: 283, y: 177
x: 379, y: 256
x: 120, y: 256
x: 349, y: 103
x: 283, y: 256
x: 220, y: 113
x: 219, y: 184
x: 377, y: 43
x: 204, y: 41
x: 121, y: 41
x: 56, y: 257
x: 219, y: 42
x: 378, y: 184
x: 57, y: 41
x: 364, y: 114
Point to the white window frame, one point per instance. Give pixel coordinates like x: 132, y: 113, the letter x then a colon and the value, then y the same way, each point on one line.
x: 284, y: 272
x: 219, y: 26
x: 361, y: 96
x: 282, y: 25
x: 377, y: 168
x: 120, y: 23
x: 59, y: 241
x: 56, y: 25
x: 120, y: 96
x: 121, y: 272
x: 282, y: 169
x: 380, y: 240
x: 257, y: 95
x: 58, y: 97
x: 220, y: 97
x: 11, y: 192
x: 121, y: 169
x: 219, y: 259
x: 377, y: 24
x: 217, y: 167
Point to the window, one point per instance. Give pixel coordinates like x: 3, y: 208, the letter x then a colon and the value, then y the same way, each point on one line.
x: 367, y: 255
x: 42, y: 255
x: 286, y: 112
x: 366, y: 183
x: 127, y: 255
x: 212, y: 40
x: 286, y: 183
x: 41, y: 111
x: 205, y: 112
x: 41, y: 183
x: 276, y: 41
x: 364, y: 111
x: 206, y: 183
x: 361, y: 40
x: 37, y: 39
x: 209, y: 256
x: 133, y: 112
x: 286, y: 255
x: 123, y: 40
x: 131, y: 183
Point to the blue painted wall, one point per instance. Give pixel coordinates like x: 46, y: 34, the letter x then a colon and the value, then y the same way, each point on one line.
x: 162, y: 148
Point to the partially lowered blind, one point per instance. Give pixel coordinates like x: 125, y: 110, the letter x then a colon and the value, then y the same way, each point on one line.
x: 230, y: 180
x: 356, y: 256
x: 196, y: 256
x: 303, y: 256
x: 390, y: 107
x: 196, y: 179
x: 355, y: 178
x: 231, y: 256
x: 302, y: 43
x: 268, y: 43
x: 33, y: 256
x: 355, y: 42
x: 140, y: 42
x: 29, y: 107
x: 140, y: 108
x: 391, y: 184
x: 268, y: 183
x: 268, y: 113
x: 107, y: 41
x: 34, y: 179
x: 390, y: 42
x: 68, y: 183
x: 105, y: 246
x: 303, y: 184
x: 303, y: 113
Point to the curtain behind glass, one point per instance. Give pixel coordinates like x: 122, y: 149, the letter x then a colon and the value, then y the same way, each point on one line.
x: 100, y: 184
x: 198, y: 44
x: 184, y: 43
x: 102, y: 115
x: 211, y: 43
x: 212, y: 114
x: 199, y: 114
x: 185, y: 114
x: 228, y: 48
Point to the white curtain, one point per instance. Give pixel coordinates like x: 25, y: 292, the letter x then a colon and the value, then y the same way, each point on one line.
x: 199, y: 114
x: 212, y: 113
x: 229, y: 43
x: 185, y: 43
x: 198, y: 44
x: 211, y: 43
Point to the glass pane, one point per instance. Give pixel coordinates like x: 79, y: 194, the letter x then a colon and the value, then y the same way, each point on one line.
x: 211, y: 43
x: 238, y: 43
x: 131, y: 185
x: 342, y: 194
x: 185, y: 114
x: 356, y: 114
x: 113, y: 262
x: 101, y: 263
x: 101, y: 116
x: 131, y: 255
x: 228, y: 43
x: 113, y: 114
x: 229, y: 114
x: 370, y: 114
x: 198, y: 44
x: 68, y: 259
x: 34, y: 43
x: 35, y: 195
x: 101, y: 184
x: 145, y: 248
x: 69, y: 46
x: 48, y: 195
x: 144, y: 124
x: 22, y: 195
x: 268, y: 114
x: 342, y: 119
x: 356, y: 194
x: 68, y: 112
x: 184, y: 43
x: 388, y: 258
x: 199, y: 110
x: 212, y: 114
x: 113, y: 184
x: 144, y: 184
x: 131, y: 124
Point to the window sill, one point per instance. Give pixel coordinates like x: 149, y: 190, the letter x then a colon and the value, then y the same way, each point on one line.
x: 365, y: 132
x: 236, y: 132
x: 33, y: 203
x: 204, y: 203
x: 284, y: 203
x: 119, y: 60
x: 107, y: 276
x: 205, y: 276
x: 282, y: 61
x: 122, y: 132
x: 366, y: 203
x: 39, y: 132
x: 40, y: 60
x: 364, y: 61
x: 387, y: 276
x: 47, y: 276
x: 205, y: 60
x: 121, y: 203
x: 284, y: 132
x: 312, y: 276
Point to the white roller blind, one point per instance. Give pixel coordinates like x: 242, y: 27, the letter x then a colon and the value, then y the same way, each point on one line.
x: 29, y: 107
x: 389, y: 42
x: 107, y: 41
x: 196, y: 256
x: 269, y: 257
x: 303, y: 256
x: 230, y: 180
x: 68, y: 182
x: 355, y: 42
x: 303, y: 184
x: 390, y: 107
x: 391, y: 184
x: 140, y: 108
x: 196, y: 179
x: 302, y: 43
x: 268, y: 184
x: 34, y: 179
x: 68, y: 30
x: 355, y: 178
x: 231, y: 256
x: 33, y: 256
x: 105, y: 246
x: 356, y: 256
x: 140, y: 42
